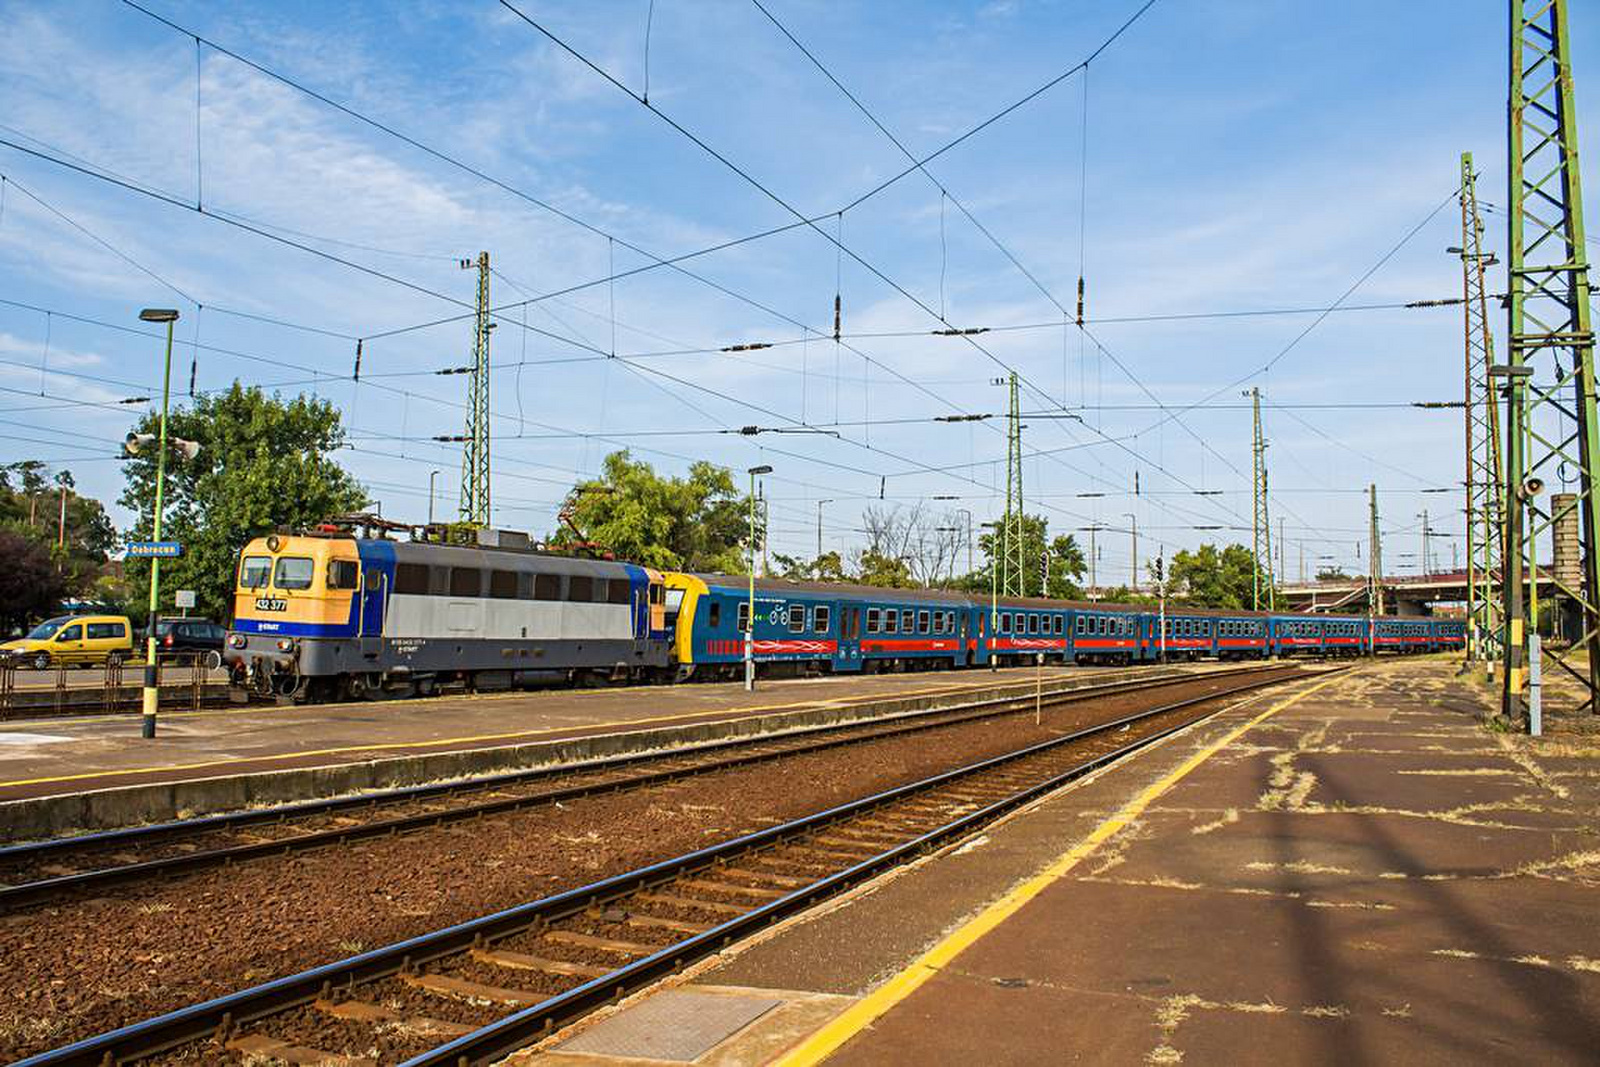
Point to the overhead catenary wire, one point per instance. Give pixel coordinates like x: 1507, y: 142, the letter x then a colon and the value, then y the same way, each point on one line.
x: 784, y: 204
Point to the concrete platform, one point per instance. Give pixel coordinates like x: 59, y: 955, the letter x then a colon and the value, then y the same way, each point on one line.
x: 59, y: 774
x: 1354, y: 872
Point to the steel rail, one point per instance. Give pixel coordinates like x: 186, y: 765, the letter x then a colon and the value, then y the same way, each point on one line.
x: 864, y: 732
x: 222, y: 1016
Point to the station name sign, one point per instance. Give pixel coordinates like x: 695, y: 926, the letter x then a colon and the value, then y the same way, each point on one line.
x: 154, y: 549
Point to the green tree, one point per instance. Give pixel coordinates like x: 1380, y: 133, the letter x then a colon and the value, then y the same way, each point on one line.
x: 827, y: 567
x: 31, y: 585
x: 1067, y: 562
x: 1212, y: 578
x: 78, y: 537
x: 264, y: 462
x: 697, y: 523
x: 887, y: 571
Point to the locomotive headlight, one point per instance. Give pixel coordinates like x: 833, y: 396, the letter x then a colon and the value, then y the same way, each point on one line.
x: 285, y: 645
x: 236, y: 640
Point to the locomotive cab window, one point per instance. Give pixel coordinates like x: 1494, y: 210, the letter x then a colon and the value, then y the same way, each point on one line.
x: 548, y: 587
x: 621, y: 591
x: 820, y: 618
x: 254, y: 572
x: 580, y: 588
x: 294, y: 572
x: 713, y: 613
x: 343, y: 574
x: 797, y: 618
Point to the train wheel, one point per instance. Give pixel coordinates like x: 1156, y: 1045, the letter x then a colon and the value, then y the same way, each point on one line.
x: 360, y: 687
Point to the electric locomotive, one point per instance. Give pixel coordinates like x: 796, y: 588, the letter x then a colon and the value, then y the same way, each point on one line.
x: 325, y: 615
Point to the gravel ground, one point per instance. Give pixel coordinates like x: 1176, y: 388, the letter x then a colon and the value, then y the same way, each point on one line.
x: 90, y: 965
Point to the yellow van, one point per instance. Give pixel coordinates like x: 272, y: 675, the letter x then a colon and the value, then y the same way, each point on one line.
x: 70, y: 640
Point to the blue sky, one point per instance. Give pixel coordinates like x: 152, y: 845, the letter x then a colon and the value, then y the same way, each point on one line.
x: 1240, y: 157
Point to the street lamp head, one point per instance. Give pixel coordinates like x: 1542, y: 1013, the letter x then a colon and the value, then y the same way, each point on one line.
x: 158, y: 315
x: 763, y: 469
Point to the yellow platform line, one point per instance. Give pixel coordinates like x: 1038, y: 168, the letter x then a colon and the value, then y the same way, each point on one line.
x: 822, y: 1044
x: 733, y: 715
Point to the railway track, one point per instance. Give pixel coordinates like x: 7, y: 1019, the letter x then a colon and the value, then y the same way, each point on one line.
x: 473, y: 992
x: 44, y: 871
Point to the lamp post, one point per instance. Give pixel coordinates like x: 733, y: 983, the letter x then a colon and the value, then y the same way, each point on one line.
x: 819, y: 525
x: 994, y: 597
x: 152, y: 692
x: 431, y: 476
x: 750, y: 615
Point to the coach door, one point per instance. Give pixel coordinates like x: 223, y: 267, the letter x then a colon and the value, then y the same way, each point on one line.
x: 966, y: 623
x: 849, y: 657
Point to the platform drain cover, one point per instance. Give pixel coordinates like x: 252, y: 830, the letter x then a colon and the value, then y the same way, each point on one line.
x: 673, y: 1025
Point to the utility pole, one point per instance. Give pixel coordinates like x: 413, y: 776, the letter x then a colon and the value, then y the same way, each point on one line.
x: 1553, y: 430
x: 1260, y: 521
x: 1423, y: 565
x: 1012, y: 581
x: 1283, y: 568
x: 1133, y: 568
x: 61, y: 524
x: 819, y: 526
x: 1094, y: 552
x: 766, y: 526
x: 475, y: 457
x: 1485, y: 490
x: 1374, y: 555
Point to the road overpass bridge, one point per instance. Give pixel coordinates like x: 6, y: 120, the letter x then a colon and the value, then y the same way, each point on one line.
x: 1416, y: 594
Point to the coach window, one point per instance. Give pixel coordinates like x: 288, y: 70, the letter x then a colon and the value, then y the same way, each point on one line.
x: 820, y: 618
x: 466, y: 581
x: 797, y: 618
x: 742, y: 620
x: 891, y: 621
x: 908, y: 620
x: 294, y: 572
x: 503, y: 585
x: 580, y: 588
x: 548, y: 587
x: 873, y: 620
x: 922, y: 621
x: 343, y: 574
x: 1005, y: 622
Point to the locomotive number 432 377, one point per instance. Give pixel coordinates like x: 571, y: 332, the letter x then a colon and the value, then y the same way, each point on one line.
x: 271, y: 603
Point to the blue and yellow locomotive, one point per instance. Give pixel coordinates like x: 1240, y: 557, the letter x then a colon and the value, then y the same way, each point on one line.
x: 324, y: 614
